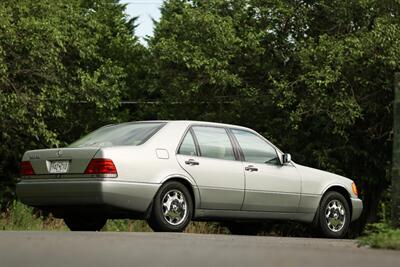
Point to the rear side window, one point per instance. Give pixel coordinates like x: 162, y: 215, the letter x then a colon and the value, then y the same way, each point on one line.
x: 125, y: 134
x: 214, y: 142
x: 188, y: 147
x: 254, y: 148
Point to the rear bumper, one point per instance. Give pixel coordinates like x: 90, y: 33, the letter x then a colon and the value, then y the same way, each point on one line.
x: 357, y: 207
x: 125, y: 195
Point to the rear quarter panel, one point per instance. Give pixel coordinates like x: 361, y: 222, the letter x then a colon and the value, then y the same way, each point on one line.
x: 143, y: 163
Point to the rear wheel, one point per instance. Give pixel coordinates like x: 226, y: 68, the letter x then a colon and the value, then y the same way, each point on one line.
x: 172, y: 208
x: 334, y: 215
x: 77, y: 223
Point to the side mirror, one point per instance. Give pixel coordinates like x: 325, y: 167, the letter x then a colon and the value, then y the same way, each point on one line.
x: 286, y: 158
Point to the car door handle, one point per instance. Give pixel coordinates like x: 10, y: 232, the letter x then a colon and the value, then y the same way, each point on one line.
x: 251, y: 168
x: 191, y: 162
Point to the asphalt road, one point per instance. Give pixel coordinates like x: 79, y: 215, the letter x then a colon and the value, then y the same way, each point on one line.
x: 72, y: 249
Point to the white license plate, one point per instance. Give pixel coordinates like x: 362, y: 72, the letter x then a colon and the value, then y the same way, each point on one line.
x: 59, y: 166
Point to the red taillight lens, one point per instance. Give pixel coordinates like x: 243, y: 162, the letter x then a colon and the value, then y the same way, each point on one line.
x: 101, y: 166
x: 26, y: 168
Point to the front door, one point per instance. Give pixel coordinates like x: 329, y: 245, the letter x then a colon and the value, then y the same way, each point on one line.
x: 270, y: 186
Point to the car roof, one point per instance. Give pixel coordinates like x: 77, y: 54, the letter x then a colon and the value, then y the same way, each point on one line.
x: 190, y: 122
x: 186, y: 123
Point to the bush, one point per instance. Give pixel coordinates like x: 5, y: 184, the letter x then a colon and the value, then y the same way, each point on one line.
x: 381, y: 235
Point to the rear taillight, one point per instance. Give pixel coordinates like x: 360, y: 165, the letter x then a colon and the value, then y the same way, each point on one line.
x: 26, y: 168
x: 101, y: 166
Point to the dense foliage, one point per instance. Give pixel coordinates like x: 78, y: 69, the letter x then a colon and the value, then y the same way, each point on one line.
x: 314, y: 76
x: 64, y: 67
x: 381, y: 235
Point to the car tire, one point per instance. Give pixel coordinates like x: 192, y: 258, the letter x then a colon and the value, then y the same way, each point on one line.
x: 172, y: 208
x: 243, y: 228
x: 334, y: 215
x: 79, y: 223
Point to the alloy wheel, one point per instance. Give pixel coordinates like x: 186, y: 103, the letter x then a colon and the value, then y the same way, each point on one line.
x: 335, y: 215
x: 174, y: 207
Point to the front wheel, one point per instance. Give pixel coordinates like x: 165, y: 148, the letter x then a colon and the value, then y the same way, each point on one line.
x: 172, y: 208
x: 334, y: 215
x: 79, y: 223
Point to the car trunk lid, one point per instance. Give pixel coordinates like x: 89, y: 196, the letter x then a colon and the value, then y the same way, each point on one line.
x: 60, y: 161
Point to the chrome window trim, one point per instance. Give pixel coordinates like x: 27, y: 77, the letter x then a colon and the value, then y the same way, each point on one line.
x: 190, y: 128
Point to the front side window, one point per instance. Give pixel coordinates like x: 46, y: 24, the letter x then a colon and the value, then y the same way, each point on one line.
x: 125, y: 134
x: 254, y: 148
x: 214, y: 142
x: 188, y: 147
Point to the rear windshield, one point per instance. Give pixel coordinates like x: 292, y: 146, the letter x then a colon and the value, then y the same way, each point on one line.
x: 126, y: 134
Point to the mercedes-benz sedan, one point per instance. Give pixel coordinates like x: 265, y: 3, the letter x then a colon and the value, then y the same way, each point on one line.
x: 172, y: 172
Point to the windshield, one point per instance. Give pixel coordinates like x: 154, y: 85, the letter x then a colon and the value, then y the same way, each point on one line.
x: 126, y: 134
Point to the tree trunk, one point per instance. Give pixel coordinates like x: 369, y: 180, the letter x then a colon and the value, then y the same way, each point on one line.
x: 396, y: 155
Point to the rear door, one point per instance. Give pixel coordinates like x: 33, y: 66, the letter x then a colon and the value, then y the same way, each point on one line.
x: 270, y: 186
x: 207, y: 154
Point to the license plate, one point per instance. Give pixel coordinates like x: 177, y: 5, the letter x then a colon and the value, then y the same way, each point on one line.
x: 59, y: 166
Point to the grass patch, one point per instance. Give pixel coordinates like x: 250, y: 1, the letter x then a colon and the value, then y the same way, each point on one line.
x: 126, y: 225
x: 19, y: 217
x: 381, y: 235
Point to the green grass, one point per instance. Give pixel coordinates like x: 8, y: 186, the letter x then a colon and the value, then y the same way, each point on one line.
x: 20, y: 217
x: 381, y: 235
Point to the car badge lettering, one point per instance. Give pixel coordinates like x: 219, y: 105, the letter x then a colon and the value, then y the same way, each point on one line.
x: 34, y: 156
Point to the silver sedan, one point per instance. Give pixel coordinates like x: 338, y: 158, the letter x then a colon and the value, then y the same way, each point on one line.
x: 171, y: 172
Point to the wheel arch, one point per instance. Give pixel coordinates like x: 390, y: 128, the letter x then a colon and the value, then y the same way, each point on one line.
x: 334, y: 188
x: 186, y: 183
x: 191, y: 187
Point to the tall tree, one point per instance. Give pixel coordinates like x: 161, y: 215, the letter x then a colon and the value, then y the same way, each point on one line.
x: 395, y: 194
x: 64, y: 67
